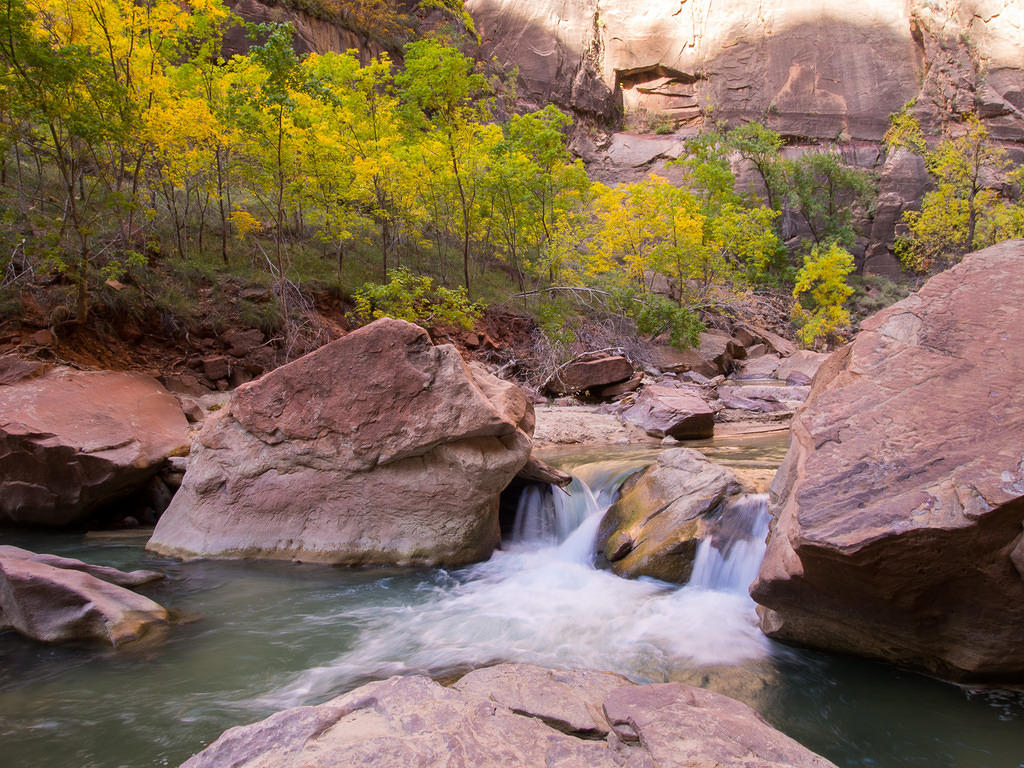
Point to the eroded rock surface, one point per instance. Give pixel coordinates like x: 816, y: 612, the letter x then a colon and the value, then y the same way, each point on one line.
x: 680, y: 412
x: 377, y: 448
x: 513, y: 716
x: 72, y: 441
x: 899, y: 507
x: 655, y: 526
x: 589, y: 372
x: 54, y: 599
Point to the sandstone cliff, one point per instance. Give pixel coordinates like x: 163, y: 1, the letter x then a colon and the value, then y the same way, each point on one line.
x: 820, y: 72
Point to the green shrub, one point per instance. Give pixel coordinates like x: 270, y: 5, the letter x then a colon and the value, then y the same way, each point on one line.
x: 414, y: 298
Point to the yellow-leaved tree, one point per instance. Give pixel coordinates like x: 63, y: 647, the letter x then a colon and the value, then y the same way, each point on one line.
x: 821, y: 293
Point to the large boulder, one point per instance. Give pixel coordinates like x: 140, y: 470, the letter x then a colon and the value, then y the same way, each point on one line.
x: 663, y: 513
x: 54, y: 599
x: 679, y: 412
x: 898, y: 510
x: 513, y: 716
x: 377, y: 448
x: 72, y: 441
x: 589, y: 372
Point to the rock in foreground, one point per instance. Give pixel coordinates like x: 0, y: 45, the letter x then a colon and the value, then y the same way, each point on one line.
x: 72, y: 441
x: 655, y: 526
x: 513, y: 716
x: 377, y: 448
x: 54, y: 599
x: 899, y: 507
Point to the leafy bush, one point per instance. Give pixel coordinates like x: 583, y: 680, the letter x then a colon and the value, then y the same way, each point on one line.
x: 821, y: 293
x: 414, y: 298
x: 657, y: 314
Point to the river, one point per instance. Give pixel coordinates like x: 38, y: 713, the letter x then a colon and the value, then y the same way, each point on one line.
x: 257, y: 637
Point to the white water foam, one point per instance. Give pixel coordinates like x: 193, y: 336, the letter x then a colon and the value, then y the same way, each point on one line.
x: 543, y: 602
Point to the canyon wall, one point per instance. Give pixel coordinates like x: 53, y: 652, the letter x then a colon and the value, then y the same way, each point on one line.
x: 641, y: 77
x: 820, y: 72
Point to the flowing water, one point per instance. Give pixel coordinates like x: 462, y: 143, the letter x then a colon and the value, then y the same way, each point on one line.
x: 257, y: 637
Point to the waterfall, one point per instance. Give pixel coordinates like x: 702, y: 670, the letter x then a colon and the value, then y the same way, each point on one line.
x: 548, y: 515
x: 569, y: 517
x: 728, y: 559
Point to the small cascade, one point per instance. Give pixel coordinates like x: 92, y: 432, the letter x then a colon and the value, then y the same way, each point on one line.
x: 728, y: 559
x: 547, y: 515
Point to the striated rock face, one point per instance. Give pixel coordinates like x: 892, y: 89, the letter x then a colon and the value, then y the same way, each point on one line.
x: 655, y: 526
x: 513, y: 716
x: 55, y: 599
x: 377, y: 448
x: 826, y: 74
x: 811, y: 68
x: 898, y: 510
x: 72, y: 441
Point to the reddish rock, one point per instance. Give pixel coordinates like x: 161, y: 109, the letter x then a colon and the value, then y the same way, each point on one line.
x: 43, y: 338
x: 800, y: 368
x: 762, y: 367
x: 622, y: 388
x: 184, y: 384
x: 241, y: 342
x: 589, y: 372
x: 55, y: 604
x: 377, y: 448
x: 216, y: 368
x: 112, y: 575
x: 678, y: 412
x: 720, y: 349
x: 899, y: 507
x: 750, y: 334
x: 665, y: 357
x: 513, y: 716
x: 72, y: 441
x: 536, y: 471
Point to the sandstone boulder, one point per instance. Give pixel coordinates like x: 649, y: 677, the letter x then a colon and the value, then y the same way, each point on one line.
x: 589, y: 372
x: 720, y: 349
x: 898, y: 510
x: 377, y: 448
x: 53, y: 599
x: 72, y: 441
x: 800, y: 367
x: 129, y: 579
x: 655, y: 526
x: 513, y: 716
x: 763, y: 399
x: 679, y: 412
x: 762, y: 367
x: 583, y: 425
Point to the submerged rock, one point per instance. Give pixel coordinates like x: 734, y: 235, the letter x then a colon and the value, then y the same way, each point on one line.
x: 377, y: 448
x: 899, y: 507
x: 55, y: 599
x: 655, y: 526
x: 73, y: 441
x: 513, y: 716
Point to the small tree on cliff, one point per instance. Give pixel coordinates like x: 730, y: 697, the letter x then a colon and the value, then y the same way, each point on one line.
x: 963, y: 212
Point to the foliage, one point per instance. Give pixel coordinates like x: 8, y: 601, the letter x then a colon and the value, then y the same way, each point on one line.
x: 821, y: 292
x: 827, y: 194
x: 656, y: 315
x: 964, y: 211
x: 415, y: 298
